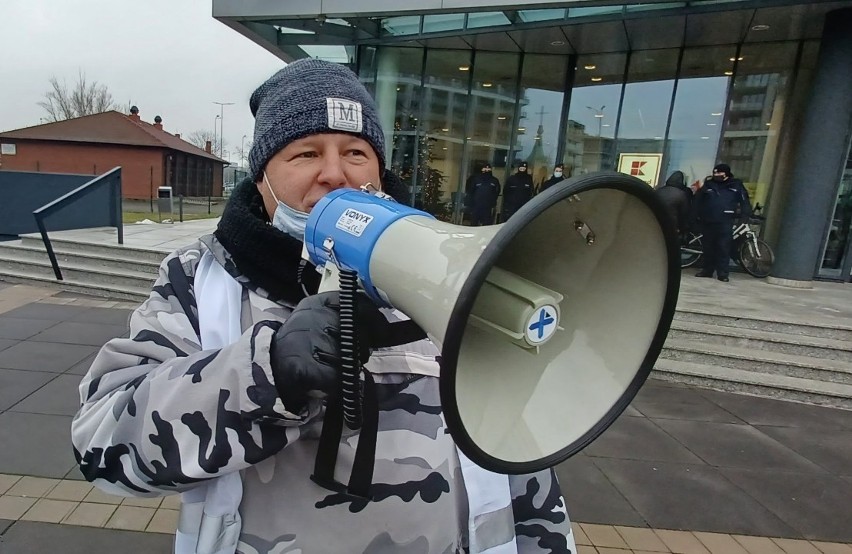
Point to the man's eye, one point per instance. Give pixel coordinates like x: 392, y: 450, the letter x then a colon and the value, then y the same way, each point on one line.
x: 356, y: 152
x: 308, y: 154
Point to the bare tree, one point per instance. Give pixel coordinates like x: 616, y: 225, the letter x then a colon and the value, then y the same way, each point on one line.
x: 84, y: 98
x: 242, y: 153
x: 200, y: 138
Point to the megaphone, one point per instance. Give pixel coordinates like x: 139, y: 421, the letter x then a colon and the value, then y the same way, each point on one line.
x: 548, y: 324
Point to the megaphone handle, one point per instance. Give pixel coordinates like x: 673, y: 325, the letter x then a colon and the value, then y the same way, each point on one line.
x: 350, y: 365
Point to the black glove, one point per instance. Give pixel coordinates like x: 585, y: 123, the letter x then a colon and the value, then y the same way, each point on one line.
x: 305, y: 351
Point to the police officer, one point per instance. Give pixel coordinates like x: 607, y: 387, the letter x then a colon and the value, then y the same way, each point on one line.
x: 719, y: 201
x: 558, y: 175
x: 486, y: 189
x: 519, y: 190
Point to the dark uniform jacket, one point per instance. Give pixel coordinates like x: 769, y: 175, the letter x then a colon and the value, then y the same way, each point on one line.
x: 550, y: 182
x: 718, y: 202
x: 519, y: 190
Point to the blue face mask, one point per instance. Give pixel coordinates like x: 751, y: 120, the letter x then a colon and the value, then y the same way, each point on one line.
x: 287, y: 219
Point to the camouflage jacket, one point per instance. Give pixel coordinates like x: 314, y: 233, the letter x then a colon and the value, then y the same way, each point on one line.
x: 160, y: 415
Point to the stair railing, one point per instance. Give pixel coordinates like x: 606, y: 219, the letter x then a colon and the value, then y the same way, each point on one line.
x: 111, y: 179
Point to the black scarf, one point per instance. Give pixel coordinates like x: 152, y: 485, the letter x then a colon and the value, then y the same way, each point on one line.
x: 268, y: 257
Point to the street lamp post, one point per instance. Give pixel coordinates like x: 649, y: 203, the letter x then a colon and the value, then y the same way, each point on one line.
x: 214, y: 132
x: 222, y: 124
x: 243, y: 150
x: 599, y: 116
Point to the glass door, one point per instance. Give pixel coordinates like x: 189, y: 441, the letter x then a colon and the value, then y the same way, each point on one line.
x: 837, y: 255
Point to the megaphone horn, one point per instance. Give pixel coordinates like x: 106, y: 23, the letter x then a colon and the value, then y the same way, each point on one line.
x: 548, y: 324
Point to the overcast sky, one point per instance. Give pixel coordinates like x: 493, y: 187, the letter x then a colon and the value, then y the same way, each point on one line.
x: 168, y: 57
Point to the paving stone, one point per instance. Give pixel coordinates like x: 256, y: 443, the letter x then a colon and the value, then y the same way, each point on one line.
x: 70, y: 490
x: 603, y: 535
x: 720, y: 543
x: 667, y: 495
x: 590, y: 497
x: 77, y: 332
x: 641, y: 539
x: 815, y: 505
x: 29, y: 537
x: 130, y: 518
x: 100, y: 497
x: 586, y: 550
x: 6, y: 482
x: 60, y: 396
x: 766, y: 411
x: 833, y: 547
x: 49, y: 511
x: 829, y: 449
x: 579, y: 535
x: 164, y: 521
x: 6, y: 343
x: 4, y: 525
x: 171, y: 502
x: 13, y: 507
x: 16, y: 384
x: 42, y: 444
x: 729, y: 445
x: 681, y: 542
x: 82, y: 368
x: 34, y: 487
x: 52, y: 312
x: 638, y: 439
x: 110, y: 316
x: 681, y: 404
x: 44, y: 356
x: 791, y: 546
x: 758, y: 545
x: 17, y: 328
x: 90, y: 514
x: 142, y: 502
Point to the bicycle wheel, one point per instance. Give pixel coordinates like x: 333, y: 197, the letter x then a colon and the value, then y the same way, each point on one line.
x: 691, y: 250
x: 757, y: 261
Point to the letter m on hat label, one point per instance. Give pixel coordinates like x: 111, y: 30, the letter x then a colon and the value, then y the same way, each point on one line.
x: 353, y: 222
x: 344, y: 115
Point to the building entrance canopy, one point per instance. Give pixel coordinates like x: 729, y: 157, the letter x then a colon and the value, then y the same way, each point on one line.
x: 333, y: 29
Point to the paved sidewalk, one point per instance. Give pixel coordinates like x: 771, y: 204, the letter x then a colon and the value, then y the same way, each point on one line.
x: 683, y: 470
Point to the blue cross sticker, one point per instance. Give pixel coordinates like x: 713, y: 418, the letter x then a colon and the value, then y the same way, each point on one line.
x: 544, y: 319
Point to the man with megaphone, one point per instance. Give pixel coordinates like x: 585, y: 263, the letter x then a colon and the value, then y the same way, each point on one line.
x: 224, y: 390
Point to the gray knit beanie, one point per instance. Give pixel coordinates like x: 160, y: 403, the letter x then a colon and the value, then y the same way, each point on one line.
x: 309, y: 97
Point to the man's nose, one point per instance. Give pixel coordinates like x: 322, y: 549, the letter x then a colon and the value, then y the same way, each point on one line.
x: 332, y: 174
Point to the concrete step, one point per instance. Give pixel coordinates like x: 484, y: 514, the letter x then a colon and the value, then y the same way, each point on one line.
x: 810, y: 329
x: 93, y: 276
x: 759, y: 361
x: 118, y: 251
x: 799, y: 345
x: 104, y: 290
x: 17, y: 251
x: 783, y: 387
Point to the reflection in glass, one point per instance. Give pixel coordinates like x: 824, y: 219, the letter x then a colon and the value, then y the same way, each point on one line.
x: 756, y: 111
x: 441, y: 143
x: 699, y: 105
x: 398, y: 99
x: 537, y: 134
x: 837, y: 242
x: 443, y: 22
x: 646, y: 104
x: 491, y: 114
x: 589, y: 144
x: 404, y: 25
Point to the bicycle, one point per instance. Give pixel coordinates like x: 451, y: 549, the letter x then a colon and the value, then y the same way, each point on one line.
x: 750, y: 252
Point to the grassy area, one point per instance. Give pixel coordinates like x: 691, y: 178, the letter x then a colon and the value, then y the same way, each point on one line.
x: 133, y: 217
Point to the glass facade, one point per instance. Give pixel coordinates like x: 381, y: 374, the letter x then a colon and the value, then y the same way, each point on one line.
x: 447, y: 112
x: 836, y: 260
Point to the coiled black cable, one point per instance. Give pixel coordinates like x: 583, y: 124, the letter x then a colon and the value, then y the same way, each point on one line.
x: 350, y: 363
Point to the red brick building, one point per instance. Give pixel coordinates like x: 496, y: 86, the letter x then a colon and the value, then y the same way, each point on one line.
x: 149, y: 156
